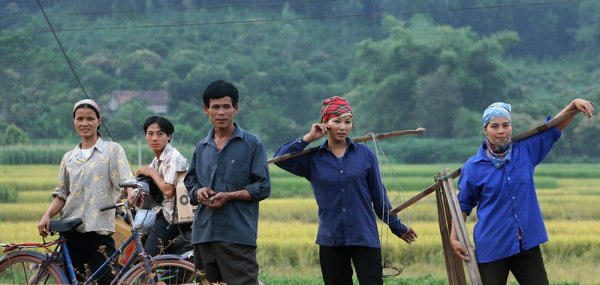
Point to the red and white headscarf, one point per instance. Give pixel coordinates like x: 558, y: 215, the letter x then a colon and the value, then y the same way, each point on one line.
x: 334, y: 107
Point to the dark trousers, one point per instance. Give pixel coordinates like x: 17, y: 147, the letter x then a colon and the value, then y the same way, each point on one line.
x: 336, y: 265
x: 527, y: 267
x: 161, y: 237
x: 227, y: 262
x: 91, y: 249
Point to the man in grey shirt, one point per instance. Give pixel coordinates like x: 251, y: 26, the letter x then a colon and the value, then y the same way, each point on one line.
x: 227, y: 177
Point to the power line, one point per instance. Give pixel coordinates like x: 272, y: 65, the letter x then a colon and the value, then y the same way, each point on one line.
x: 359, y: 15
x: 69, y: 62
x: 210, y: 7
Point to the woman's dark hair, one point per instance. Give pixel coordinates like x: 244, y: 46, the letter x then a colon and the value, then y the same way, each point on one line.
x: 219, y: 89
x: 163, y: 123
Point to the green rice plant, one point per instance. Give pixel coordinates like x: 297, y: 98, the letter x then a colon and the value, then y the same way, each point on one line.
x: 568, y: 170
x: 22, y: 212
x: 290, y: 186
x: 19, y: 231
x: 29, y: 170
x: 286, y: 210
x: 569, y: 207
x: 8, y: 195
x: 576, y: 184
x: 28, y: 197
x: 288, y: 226
x: 33, y: 154
x: 28, y: 183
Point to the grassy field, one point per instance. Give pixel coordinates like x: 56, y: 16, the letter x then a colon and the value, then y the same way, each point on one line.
x: 569, y: 195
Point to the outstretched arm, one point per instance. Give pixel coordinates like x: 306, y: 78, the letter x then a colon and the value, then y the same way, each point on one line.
x: 582, y: 105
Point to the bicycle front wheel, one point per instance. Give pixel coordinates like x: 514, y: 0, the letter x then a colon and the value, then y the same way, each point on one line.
x: 165, y: 271
x: 23, y: 267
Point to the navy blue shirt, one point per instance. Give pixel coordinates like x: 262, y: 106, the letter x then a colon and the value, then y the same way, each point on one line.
x: 241, y: 164
x: 505, y: 198
x: 348, y: 191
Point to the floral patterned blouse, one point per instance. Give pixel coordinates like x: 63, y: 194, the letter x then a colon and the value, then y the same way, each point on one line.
x: 87, y: 184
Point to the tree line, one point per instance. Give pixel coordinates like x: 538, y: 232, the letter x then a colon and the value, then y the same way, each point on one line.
x: 402, y: 65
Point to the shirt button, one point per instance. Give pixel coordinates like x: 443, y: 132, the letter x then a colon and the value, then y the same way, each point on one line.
x: 508, y: 178
x: 513, y: 198
x: 341, y: 171
x: 342, y: 190
x: 344, y: 209
x: 516, y: 216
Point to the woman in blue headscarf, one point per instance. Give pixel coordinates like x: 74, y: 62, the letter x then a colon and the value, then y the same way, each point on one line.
x: 498, y: 180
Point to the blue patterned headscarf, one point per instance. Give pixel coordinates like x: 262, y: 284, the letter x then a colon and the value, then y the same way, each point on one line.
x: 496, y: 110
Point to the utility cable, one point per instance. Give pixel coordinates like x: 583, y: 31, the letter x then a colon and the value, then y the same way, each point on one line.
x: 69, y: 63
x: 359, y: 15
x: 183, y: 9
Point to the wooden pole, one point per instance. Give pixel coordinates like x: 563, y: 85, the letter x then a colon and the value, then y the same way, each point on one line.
x: 423, y: 193
x: 461, y: 228
x: 454, y: 265
x: 552, y: 123
x: 356, y: 139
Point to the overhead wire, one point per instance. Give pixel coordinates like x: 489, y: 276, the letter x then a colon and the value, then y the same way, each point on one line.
x: 325, y: 17
x: 64, y: 53
x: 182, y: 9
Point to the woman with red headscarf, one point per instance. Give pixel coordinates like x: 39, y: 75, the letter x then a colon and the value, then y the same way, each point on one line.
x: 347, y: 186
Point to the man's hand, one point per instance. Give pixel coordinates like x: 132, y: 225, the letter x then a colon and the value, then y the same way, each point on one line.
x: 217, y: 200
x: 204, y: 194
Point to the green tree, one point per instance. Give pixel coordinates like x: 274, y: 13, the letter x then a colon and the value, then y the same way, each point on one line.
x: 422, y: 74
x: 13, y: 135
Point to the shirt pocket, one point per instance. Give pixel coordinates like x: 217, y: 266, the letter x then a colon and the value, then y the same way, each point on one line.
x: 237, y: 173
x: 357, y: 171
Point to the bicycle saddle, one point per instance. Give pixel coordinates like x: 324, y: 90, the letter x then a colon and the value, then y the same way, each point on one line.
x: 65, y: 225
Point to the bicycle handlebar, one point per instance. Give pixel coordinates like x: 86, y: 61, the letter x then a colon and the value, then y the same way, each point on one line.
x: 131, y: 184
x: 105, y: 208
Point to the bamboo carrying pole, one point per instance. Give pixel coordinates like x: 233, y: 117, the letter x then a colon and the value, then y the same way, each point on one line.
x: 356, y: 139
x: 540, y: 128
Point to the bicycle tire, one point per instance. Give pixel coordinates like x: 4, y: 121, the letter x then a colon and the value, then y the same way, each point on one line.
x: 168, y: 271
x: 20, y: 267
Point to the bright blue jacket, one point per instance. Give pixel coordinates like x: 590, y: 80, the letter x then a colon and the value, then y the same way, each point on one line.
x: 505, y: 198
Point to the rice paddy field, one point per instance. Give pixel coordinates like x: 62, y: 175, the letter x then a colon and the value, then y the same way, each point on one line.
x: 569, y: 196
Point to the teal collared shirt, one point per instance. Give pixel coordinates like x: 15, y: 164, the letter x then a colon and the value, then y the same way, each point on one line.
x: 241, y: 164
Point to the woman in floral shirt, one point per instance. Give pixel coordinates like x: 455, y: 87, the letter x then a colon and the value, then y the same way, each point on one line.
x: 88, y: 180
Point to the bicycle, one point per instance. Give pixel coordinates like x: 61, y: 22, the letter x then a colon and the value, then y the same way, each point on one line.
x: 23, y: 265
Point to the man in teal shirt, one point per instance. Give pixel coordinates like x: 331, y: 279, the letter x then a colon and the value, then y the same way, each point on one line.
x: 227, y: 177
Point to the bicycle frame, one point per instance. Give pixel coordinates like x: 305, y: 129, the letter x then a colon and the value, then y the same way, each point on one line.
x: 135, y: 237
x: 61, y: 251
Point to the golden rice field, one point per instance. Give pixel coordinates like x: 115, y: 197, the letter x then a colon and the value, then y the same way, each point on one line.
x: 569, y: 197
